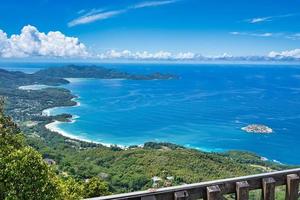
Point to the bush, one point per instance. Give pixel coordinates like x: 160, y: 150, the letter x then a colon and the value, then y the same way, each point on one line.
x: 95, y: 187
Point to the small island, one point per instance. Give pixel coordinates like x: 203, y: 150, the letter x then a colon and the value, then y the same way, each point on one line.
x: 257, y: 128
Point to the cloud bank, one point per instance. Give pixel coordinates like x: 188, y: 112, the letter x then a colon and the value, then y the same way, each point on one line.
x: 99, y: 14
x: 145, y: 55
x: 291, y: 54
x: 54, y: 44
x: 30, y: 43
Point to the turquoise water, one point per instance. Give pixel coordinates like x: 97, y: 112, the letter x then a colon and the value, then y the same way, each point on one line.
x: 206, y: 108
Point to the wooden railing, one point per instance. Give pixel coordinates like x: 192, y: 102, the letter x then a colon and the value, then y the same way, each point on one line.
x: 214, y: 190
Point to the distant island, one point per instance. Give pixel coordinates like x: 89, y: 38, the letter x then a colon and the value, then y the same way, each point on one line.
x: 257, y: 128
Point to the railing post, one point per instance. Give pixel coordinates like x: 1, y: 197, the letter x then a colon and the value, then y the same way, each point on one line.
x: 242, y: 190
x: 268, y: 188
x: 181, y: 195
x: 214, y: 193
x: 292, y: 187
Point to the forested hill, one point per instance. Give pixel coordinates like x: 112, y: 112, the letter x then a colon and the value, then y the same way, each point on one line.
x: 14, y: 79
x: 73, y: 71
x: 55, y: 75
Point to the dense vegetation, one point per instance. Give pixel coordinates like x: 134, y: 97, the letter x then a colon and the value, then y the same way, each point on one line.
x: 73, y: 71
x: 80, y: 169
x: 25, y: 175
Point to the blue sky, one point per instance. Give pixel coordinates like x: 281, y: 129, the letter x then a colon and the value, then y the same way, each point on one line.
x: 206, y: 27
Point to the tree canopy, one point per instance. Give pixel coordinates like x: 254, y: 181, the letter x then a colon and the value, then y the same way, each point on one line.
x: 23, y: 172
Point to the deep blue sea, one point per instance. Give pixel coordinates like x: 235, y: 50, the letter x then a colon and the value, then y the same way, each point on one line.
x: 206, y: 108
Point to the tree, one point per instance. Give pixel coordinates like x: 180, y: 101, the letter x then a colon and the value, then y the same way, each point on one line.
x: 73, y: 190
x: 95, y: 187
x: 23, y: 173
x: 26, y: 176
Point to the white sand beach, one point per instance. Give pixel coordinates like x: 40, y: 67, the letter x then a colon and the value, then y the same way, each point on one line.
x: 34, y: 87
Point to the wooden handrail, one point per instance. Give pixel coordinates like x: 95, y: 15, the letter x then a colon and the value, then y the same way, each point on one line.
x: 214, y: 190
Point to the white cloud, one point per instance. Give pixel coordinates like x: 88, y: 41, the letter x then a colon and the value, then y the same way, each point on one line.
x: 259, y: 19
x: 283, y: 35
x: 30, y: 42
x: 255, y: 34
x: 269, y: 18
x: 145, y: 55
x: 153, y: 3
x: 263, y: 34
x: 285, y: 54
x: 98, y: 14
x: 94, y: 17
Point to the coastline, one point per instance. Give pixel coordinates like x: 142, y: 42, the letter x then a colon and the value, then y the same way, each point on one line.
x: 47, y: 112
x: 54, y: 125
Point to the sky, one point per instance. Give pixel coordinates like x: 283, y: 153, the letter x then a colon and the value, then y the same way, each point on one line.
x: 150, y: 29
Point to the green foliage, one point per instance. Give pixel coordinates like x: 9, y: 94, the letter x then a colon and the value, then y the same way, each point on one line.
x: 72, y: 189
x: 26, y: 176
x: 95, y: 187
x: 23, y: 173
x: 155, y: 145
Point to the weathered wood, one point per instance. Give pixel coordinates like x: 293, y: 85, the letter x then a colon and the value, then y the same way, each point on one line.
x: 292, y: 187
x: 268, y: 188
x: 181, y: 195
x: 151, y: 197
x: 242, y: 190
x: 214, y: 193
x: 199, y: 190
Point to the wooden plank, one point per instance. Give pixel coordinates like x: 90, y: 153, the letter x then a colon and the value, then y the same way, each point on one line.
x: 292, y: 187
x: 214, y: 193
x: 181, y: 195
x: 242, y: 190
x: 268, y: 188
x: 164, y: 196
x: 198, y: 190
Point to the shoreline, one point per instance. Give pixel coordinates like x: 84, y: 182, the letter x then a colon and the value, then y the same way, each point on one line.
x: 54, y: 127
x: 47, y: 112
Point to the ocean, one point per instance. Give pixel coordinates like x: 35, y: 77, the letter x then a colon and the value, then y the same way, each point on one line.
x: 204, y: 109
